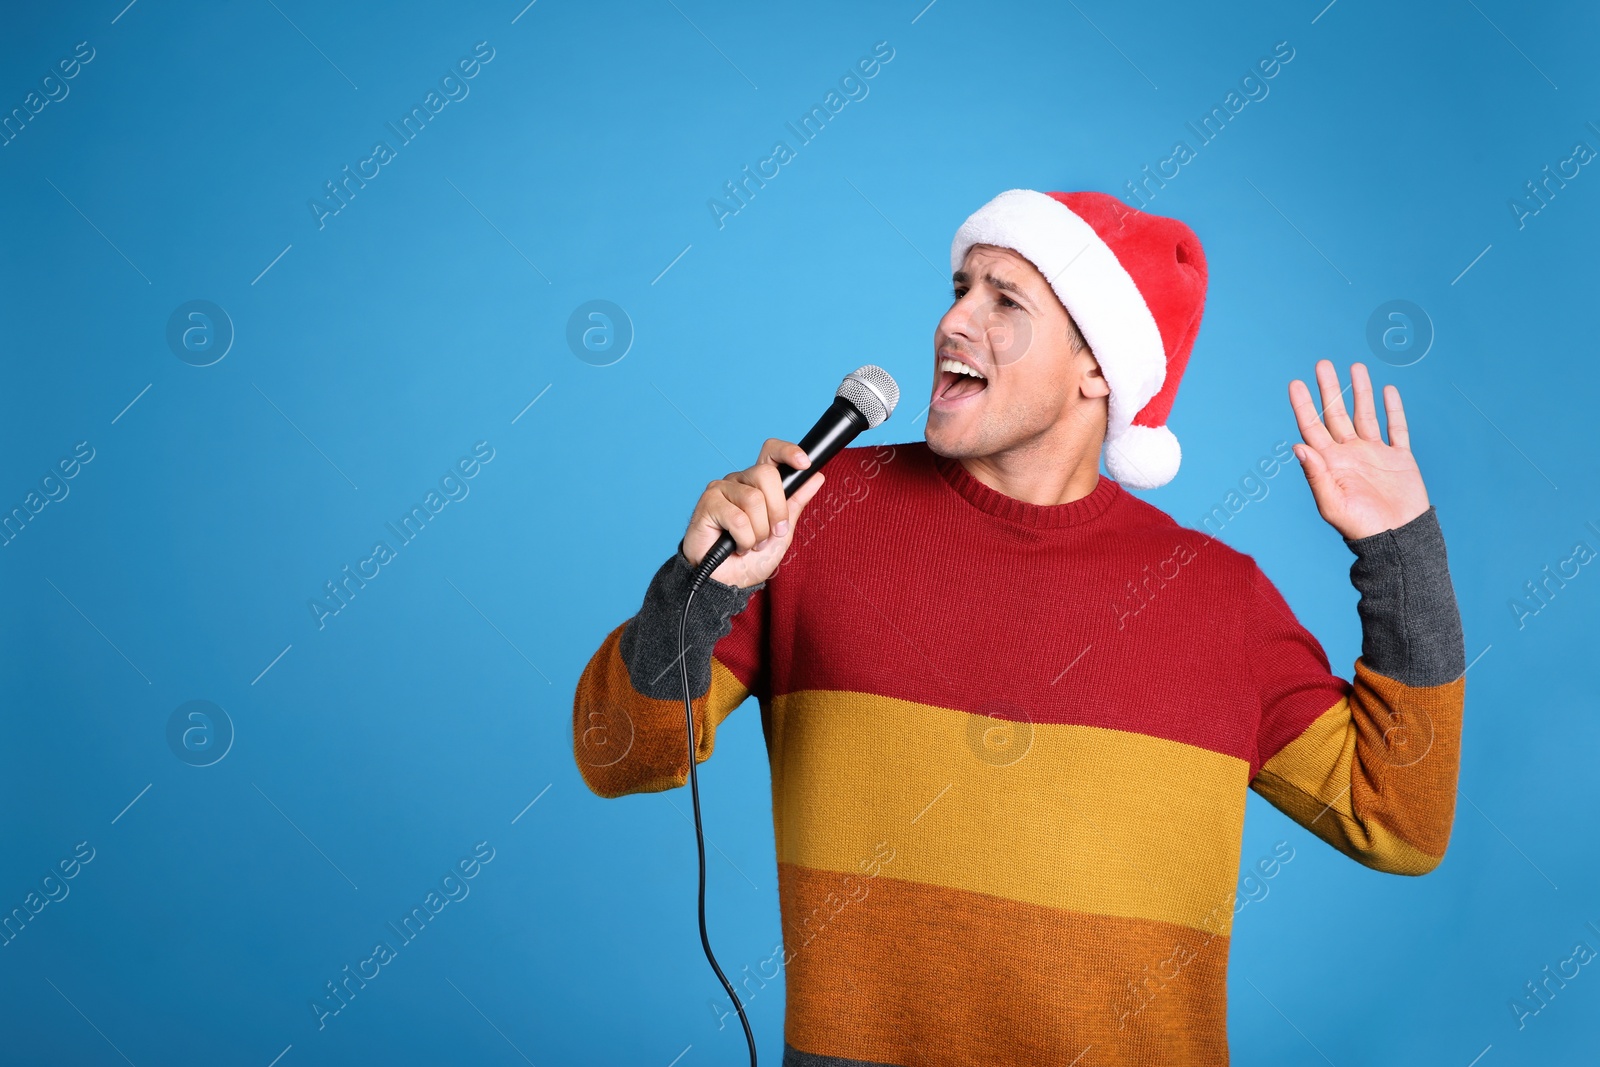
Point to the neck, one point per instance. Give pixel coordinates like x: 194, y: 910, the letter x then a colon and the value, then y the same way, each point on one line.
x: 1036, y: 473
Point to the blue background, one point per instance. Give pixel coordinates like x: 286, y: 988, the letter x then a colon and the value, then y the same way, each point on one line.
x: 373, y: 753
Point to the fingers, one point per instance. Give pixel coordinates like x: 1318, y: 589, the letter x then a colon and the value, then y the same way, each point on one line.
x: 749, y: 504
x: 802, y: 497
x: 1333, y: 413
x: 764, y: 477
x: 753, y: 502
x: 1366, y: 414
x: 739, y: 509
x: 1305, y: 415
x: 1399, y: 435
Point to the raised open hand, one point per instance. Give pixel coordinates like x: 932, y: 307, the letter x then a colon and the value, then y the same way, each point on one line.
x: 1362, y: 486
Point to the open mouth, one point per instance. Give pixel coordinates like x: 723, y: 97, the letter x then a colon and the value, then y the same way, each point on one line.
x: 957, y: 380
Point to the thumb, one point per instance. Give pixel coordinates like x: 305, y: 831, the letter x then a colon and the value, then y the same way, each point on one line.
x: 1312, y: 463
x: 802, y: 497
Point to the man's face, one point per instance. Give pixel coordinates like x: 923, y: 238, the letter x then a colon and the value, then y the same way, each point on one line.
x: 1007, y: 325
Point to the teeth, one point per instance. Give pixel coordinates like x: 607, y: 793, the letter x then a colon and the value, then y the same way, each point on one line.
x: 958, y: 367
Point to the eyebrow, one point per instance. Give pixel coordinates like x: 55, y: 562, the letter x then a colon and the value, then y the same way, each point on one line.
x: 961, y: 277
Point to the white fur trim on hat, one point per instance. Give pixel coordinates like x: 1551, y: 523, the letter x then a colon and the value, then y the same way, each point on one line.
x: 1105, y: 302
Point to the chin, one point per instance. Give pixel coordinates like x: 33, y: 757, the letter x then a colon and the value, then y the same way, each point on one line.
x: 946, y: 444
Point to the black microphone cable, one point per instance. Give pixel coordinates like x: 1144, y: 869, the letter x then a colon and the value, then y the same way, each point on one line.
x: 864, y: 400
x: 710, y: 563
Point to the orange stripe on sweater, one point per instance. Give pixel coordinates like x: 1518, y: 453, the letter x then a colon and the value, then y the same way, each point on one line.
x: 890, y: 971
x: 626, y: 742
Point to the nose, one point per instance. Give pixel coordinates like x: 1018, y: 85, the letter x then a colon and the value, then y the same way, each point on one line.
x: 963, y: 321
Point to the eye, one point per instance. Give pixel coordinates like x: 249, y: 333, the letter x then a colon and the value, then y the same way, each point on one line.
x: 1008, y: 302
x: 957, y: 293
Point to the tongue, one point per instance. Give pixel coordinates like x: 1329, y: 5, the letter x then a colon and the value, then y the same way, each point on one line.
x: 961, y: 385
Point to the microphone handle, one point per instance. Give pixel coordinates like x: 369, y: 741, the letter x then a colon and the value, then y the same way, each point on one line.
x: 838, y: 426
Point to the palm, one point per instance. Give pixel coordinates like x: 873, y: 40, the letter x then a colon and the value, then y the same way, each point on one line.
x: 1362, y: 485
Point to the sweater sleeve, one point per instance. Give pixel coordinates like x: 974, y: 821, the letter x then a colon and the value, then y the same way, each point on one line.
x: 627, y: 712
x: 1373, y: 773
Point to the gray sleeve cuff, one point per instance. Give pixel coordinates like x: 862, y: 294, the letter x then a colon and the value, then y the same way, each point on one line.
x: 1410, y: 624
x: 649, y: 644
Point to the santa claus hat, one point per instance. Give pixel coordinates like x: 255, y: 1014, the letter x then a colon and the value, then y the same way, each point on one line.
x: 1135, y: 284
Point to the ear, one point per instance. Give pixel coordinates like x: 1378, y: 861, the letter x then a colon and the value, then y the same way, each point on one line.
x: 1093, y: 384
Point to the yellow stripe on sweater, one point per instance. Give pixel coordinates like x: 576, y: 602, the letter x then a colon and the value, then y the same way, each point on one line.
x: 1095, y: 820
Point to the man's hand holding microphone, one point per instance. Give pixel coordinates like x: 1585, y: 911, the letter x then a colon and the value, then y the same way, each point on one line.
x: 750, y: 505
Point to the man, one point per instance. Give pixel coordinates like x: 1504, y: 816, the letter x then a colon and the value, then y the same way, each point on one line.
x: 1012, y: 710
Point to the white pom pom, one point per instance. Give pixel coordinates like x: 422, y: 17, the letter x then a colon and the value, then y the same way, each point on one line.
x: 1143, y: 457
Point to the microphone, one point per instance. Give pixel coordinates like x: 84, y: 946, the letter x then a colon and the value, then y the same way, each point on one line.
x: 863, y: 401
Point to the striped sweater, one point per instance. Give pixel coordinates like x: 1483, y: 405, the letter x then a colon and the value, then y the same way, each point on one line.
x: 1009, y: 748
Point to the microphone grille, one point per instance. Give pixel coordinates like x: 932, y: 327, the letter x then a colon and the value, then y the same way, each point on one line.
x: 873, y: 391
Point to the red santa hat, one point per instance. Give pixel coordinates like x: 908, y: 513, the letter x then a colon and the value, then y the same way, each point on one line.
x: 1134, y: 283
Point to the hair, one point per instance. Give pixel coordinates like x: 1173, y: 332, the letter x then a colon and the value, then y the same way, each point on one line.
x: 1075, y: 338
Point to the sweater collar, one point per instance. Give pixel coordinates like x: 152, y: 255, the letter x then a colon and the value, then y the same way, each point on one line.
x: 1041, y: 516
